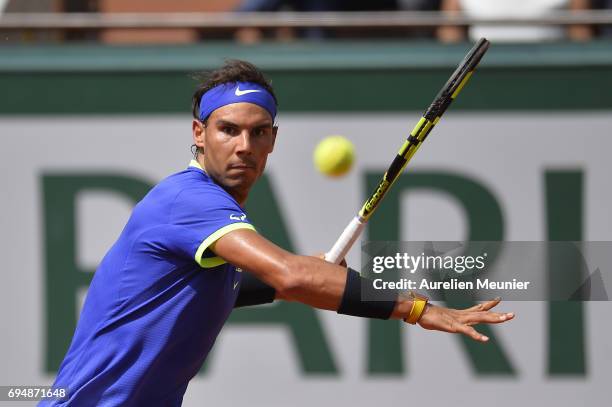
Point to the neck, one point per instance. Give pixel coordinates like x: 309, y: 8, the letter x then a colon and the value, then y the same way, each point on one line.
x: 239, y: 195
x: 200, y: 160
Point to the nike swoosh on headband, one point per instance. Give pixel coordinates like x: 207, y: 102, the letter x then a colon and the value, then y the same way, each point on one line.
x: 239, y: 92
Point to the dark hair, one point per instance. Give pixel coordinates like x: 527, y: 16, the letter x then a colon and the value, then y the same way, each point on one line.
x: 233, y: 70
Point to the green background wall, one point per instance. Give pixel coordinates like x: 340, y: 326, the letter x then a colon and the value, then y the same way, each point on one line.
x: 341, y: 76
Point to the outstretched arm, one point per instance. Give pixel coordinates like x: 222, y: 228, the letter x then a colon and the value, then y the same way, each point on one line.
x: 320, y: 284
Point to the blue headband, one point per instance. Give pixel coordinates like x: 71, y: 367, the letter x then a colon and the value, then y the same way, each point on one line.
x: 236, y: 92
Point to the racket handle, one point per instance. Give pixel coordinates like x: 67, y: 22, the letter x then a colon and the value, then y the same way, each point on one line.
x: 345, y: 241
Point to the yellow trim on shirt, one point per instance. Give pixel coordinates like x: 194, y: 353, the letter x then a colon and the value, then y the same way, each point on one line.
x: 217, y: 261
x: 194, y: 163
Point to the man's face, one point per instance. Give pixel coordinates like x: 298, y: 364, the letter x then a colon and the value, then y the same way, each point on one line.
x: 236, y: 142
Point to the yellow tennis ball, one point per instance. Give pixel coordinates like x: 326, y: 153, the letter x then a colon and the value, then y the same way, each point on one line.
x: 334, y: 156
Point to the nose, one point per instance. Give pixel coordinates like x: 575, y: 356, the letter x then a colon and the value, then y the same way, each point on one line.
x: 244, y: 143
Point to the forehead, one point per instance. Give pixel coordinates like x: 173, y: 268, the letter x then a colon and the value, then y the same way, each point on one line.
x: 243, y: 113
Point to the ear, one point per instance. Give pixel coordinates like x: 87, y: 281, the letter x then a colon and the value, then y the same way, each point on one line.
x: 198, y: 131
x: 274, y: 131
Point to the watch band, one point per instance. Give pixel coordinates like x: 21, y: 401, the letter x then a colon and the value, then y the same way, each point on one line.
x: 419, y: 302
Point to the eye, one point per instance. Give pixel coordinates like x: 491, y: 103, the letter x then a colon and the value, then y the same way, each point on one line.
x: 261, y: 131
x: 232, y: 131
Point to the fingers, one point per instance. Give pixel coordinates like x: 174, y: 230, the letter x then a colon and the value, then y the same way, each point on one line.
x: 472, y: 333
x: 461, y: 321
x: 480, y: 314
x: 473, y: 318
x: 485, y: 306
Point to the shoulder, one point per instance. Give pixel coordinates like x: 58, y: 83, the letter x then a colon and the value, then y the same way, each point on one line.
x: 196, y: 186
x: 196, y: 195
x: 191, y: 182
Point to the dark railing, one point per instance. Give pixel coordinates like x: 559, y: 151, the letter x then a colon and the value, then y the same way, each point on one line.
x: 235, y: 20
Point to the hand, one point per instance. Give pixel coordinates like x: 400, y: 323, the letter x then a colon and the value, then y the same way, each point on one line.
x: 322, y: 257
x: 461, y: 321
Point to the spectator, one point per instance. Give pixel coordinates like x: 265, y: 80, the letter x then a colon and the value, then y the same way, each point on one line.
x: 513, y: 8
x: 252, y: 35
x: 604, y: 30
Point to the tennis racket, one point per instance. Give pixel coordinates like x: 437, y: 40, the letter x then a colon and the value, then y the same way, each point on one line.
x: 430, y: 118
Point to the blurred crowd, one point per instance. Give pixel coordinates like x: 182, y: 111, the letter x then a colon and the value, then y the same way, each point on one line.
x: 471, y: 8
x: 487, y: 9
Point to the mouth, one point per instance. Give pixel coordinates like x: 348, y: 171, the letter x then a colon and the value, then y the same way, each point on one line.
x: 241, y: 167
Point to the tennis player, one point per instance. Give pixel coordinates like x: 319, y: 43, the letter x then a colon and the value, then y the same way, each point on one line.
x: 189, y: 254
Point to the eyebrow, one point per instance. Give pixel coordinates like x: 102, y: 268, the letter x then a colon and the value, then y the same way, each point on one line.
x: 222, y: 122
